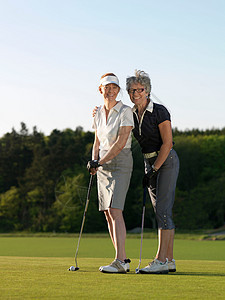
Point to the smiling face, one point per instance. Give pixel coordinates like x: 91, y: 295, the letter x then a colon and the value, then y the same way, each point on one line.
x: 138, y: 94
x: 109, y: 91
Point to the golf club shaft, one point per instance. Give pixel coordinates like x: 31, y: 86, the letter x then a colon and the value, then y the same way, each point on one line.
x: 84, y: 215
x: 142, y: 224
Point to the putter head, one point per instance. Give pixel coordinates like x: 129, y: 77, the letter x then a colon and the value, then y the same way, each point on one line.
x: 72, y: 268
x: 137, y: 271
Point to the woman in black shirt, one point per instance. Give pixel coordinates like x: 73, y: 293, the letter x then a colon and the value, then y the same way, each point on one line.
x: 154, y: 133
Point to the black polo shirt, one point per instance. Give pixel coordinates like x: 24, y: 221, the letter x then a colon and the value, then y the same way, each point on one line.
x: 147, y: 131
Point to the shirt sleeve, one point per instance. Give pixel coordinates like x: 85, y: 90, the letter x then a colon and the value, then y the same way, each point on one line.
x: 127, y: 117
x: 162, y: 114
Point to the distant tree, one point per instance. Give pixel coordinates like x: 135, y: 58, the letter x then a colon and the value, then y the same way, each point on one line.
x: 10, y: 210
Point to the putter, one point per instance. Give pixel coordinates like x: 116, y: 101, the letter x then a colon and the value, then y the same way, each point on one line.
x: 72, y: 268
x: 142, y: 228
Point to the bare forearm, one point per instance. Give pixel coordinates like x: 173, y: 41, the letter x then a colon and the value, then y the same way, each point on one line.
x: 111, y: 153
x: 95, y: 151
x: 119, y: 144
x: 166, y: 135
x: 163, y: 154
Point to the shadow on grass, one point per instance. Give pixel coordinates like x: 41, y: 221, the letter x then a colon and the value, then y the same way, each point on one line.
x: 178, y: 274
x: 198, y: 274
x: 170, y: 274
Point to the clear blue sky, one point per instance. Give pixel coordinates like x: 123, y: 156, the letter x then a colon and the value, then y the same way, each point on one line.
x: 53, y: 53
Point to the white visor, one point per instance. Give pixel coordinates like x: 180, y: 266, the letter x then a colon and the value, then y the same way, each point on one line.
x: 109, y: 79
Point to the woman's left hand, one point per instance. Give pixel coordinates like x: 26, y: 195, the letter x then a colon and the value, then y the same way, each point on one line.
x: 147, y: 177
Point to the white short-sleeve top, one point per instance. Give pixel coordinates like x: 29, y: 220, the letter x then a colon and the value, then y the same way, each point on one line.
x: 107, y: 132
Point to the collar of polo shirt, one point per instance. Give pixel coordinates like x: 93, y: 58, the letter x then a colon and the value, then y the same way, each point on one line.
x: 149, y: 107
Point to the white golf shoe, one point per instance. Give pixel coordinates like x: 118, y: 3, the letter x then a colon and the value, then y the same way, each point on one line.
x: 172, y: 265
x: 155, y: 267
x: 117, y: 266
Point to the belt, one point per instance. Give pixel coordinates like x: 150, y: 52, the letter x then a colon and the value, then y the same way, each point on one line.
x: 150, y: 155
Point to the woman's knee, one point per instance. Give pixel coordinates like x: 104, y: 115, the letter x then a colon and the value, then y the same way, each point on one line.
x: 115, y: 213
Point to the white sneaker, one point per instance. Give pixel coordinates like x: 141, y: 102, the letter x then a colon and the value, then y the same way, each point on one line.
x: 155, y: 267
x: 117, y: 266
x: 172, y: 265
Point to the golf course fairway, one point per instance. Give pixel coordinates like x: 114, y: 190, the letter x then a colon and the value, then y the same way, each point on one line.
x: 36, y: 268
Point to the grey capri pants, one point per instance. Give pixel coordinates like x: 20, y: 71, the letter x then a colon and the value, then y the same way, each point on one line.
x: 113, y: 180
x: 162, y: 189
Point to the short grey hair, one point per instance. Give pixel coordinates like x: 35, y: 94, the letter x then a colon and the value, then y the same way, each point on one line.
x: 139, y: 77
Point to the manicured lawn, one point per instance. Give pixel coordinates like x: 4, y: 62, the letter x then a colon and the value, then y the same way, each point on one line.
x: 36, y: 268
x: 47, y: 278
x: 102, y: 247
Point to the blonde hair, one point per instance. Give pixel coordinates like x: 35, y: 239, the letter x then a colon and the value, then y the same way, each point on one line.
x: 108, y: 74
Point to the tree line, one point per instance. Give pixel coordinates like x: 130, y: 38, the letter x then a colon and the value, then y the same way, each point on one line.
x: 44, y: 180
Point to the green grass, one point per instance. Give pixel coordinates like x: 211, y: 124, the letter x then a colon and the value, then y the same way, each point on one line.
x: 47, y: 278
x: 148, y: 234
x: 102, y: 247
x: 36, y: 268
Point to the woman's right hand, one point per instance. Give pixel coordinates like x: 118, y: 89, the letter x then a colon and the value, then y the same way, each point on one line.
x: 93, y: 171
x: 92, y: 166
x: 94, y: 111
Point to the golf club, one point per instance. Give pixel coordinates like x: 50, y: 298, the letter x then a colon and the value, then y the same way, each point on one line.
x: 72, y: 268
x: 142, y: 228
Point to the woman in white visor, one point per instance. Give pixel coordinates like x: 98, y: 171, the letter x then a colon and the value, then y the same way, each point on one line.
x: 113, y: 163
